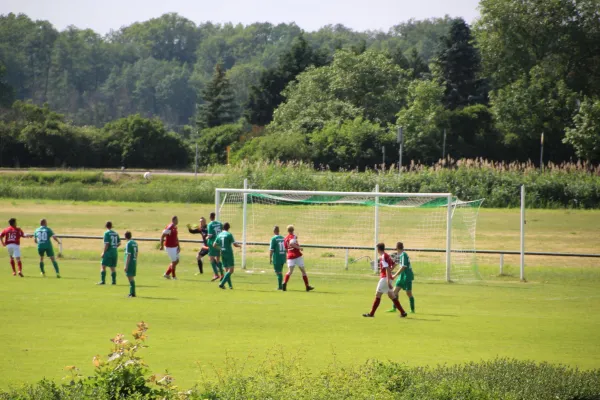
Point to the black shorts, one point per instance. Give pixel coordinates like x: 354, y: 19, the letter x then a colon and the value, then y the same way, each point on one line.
x: 203, y: 251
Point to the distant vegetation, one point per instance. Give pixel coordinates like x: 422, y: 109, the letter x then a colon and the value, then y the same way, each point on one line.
x: 145, y: 94
x: 559, y: 186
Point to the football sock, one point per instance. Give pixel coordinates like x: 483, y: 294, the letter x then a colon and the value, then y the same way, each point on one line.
x: 412, y: 303
x: 113, y: 276
x: 225, y: 279
x: 103, y: 276
x: 12, y: 264
x: 280, y: 280
x: 200, y: 266
x: 173, y: 270
x: 220, y: 265
x: 305, y: 279
x: 213, y: 264
x: 375, y: 305
x: 55, y: 264
x: 20, y: 264
x: 287, y: 278
x: 229, y: 279
x: 42, y: 267
x: 398, y: 306
x: 132, y: 288
x: 169, y: 270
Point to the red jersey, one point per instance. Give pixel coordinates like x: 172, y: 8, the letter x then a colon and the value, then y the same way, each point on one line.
x: 13, y: 235
x: 171, y: 240
x: 291, y: 252
x: 385, y: 262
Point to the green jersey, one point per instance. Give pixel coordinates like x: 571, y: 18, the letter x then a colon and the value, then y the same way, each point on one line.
x: 42, y: 236
x: 131, y: 248
x: 404, y: 261
x: 112, y: 238
x: 225, y: 241
x: 214, y: 229
x: 278, y: 249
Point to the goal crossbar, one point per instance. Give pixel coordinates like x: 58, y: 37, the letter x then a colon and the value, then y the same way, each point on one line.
x: 322, y: 193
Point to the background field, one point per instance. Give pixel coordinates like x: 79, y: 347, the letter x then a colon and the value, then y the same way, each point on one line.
x: 50, y: 323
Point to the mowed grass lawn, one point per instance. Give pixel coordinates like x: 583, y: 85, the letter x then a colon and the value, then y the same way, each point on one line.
x: 196, y: 329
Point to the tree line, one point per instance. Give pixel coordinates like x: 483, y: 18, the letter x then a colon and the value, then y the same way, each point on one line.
x: 332, y: 97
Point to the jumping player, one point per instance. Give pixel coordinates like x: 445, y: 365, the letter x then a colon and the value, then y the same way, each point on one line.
x: 202, y: 230
x: 386, y: 264
x: 404, y: 277
x: 42, y: 236
x: 13, y: 235
x: 277, y: 256
x: 294, y: 258
x: 214, y: 229
x: 170, y: 241
x: 131, y: 254
x: 224, y: 243
x: 112, y: 241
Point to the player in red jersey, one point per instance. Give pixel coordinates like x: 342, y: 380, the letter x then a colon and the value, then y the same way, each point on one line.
x: 170, y: 241
x: 11, y: 239
x: 385, y: 285
x: 294, y: 258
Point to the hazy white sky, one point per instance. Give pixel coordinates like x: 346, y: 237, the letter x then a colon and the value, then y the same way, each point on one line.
x: 104, y: 15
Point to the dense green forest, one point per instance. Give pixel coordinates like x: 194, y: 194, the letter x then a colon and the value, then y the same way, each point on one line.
x: 143, y: 95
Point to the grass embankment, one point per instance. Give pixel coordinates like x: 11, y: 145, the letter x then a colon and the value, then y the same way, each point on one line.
x: 565, y: 186
x: 195, y: 327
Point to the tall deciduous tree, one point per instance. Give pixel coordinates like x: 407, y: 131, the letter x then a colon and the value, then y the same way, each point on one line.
x: 267, y: 95
x: 218, y: 107
x: 585, y: 135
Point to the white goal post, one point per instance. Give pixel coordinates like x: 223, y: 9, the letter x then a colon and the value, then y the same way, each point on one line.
x: 339, y: 228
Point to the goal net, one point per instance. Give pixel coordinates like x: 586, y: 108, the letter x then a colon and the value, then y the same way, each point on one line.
x: 338, y: 231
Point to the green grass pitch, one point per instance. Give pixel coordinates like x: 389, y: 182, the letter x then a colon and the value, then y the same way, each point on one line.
x: 195, y: 328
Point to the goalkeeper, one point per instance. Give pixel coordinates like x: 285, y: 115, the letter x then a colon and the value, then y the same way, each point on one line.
x: 404, y: 277
x: 202, y: 230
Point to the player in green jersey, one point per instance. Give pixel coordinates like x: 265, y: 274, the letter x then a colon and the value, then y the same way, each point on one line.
x: 131, y: 255
x: 404, y: 277
x: 109, y: 256
x: 42, y: 236
x: 277, y: 256
x: 214, y: 229
x: 224, y: 243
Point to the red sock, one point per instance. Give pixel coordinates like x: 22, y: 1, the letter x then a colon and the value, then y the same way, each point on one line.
x: 398, y: 306
x: 12, y: 264
x: 305, y: 278
x: 20, y: 266
x: 375, y: 305
x: 169, y: 270
x: 286, y: 278
x: 173, y: 270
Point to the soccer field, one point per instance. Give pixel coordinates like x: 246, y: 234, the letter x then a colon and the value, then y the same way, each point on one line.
x: 195, y: 327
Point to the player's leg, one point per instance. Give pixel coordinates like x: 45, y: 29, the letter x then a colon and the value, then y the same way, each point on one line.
x: 13, y: 265
x: 50, y: 254
x: 220, y: 267
x: 169, y: 251
x: 279, y: 272
x: 174, y: 264
x: 396, y: 302
x: 227, y: 276
x: 305, y: 277
x: 397, y: 290
x: 16, y: 253
x: 41, y: 254
x: 411, y: 298
x: 113, y: 274
x: 102, y: 275
x: 291, y: 264
x: 381, y: 287
x: 131, y: 280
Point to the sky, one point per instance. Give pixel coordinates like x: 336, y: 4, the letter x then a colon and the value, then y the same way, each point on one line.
x: 105, y: 15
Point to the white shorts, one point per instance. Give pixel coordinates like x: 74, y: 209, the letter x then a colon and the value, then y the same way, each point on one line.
x: 172, y: 253
x: 14, y: 250
x: 382, y: 286
x: 296, y: 262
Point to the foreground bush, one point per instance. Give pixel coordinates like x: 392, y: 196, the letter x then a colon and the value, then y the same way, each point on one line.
x: 124, y: 375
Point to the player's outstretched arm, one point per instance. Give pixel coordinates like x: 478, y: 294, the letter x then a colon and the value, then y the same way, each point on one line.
x: 236, y: 244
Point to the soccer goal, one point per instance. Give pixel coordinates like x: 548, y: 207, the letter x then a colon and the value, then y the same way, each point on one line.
x: 338, y: 231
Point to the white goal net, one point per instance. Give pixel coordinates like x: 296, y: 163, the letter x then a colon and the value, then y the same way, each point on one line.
x: 339, y: 230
